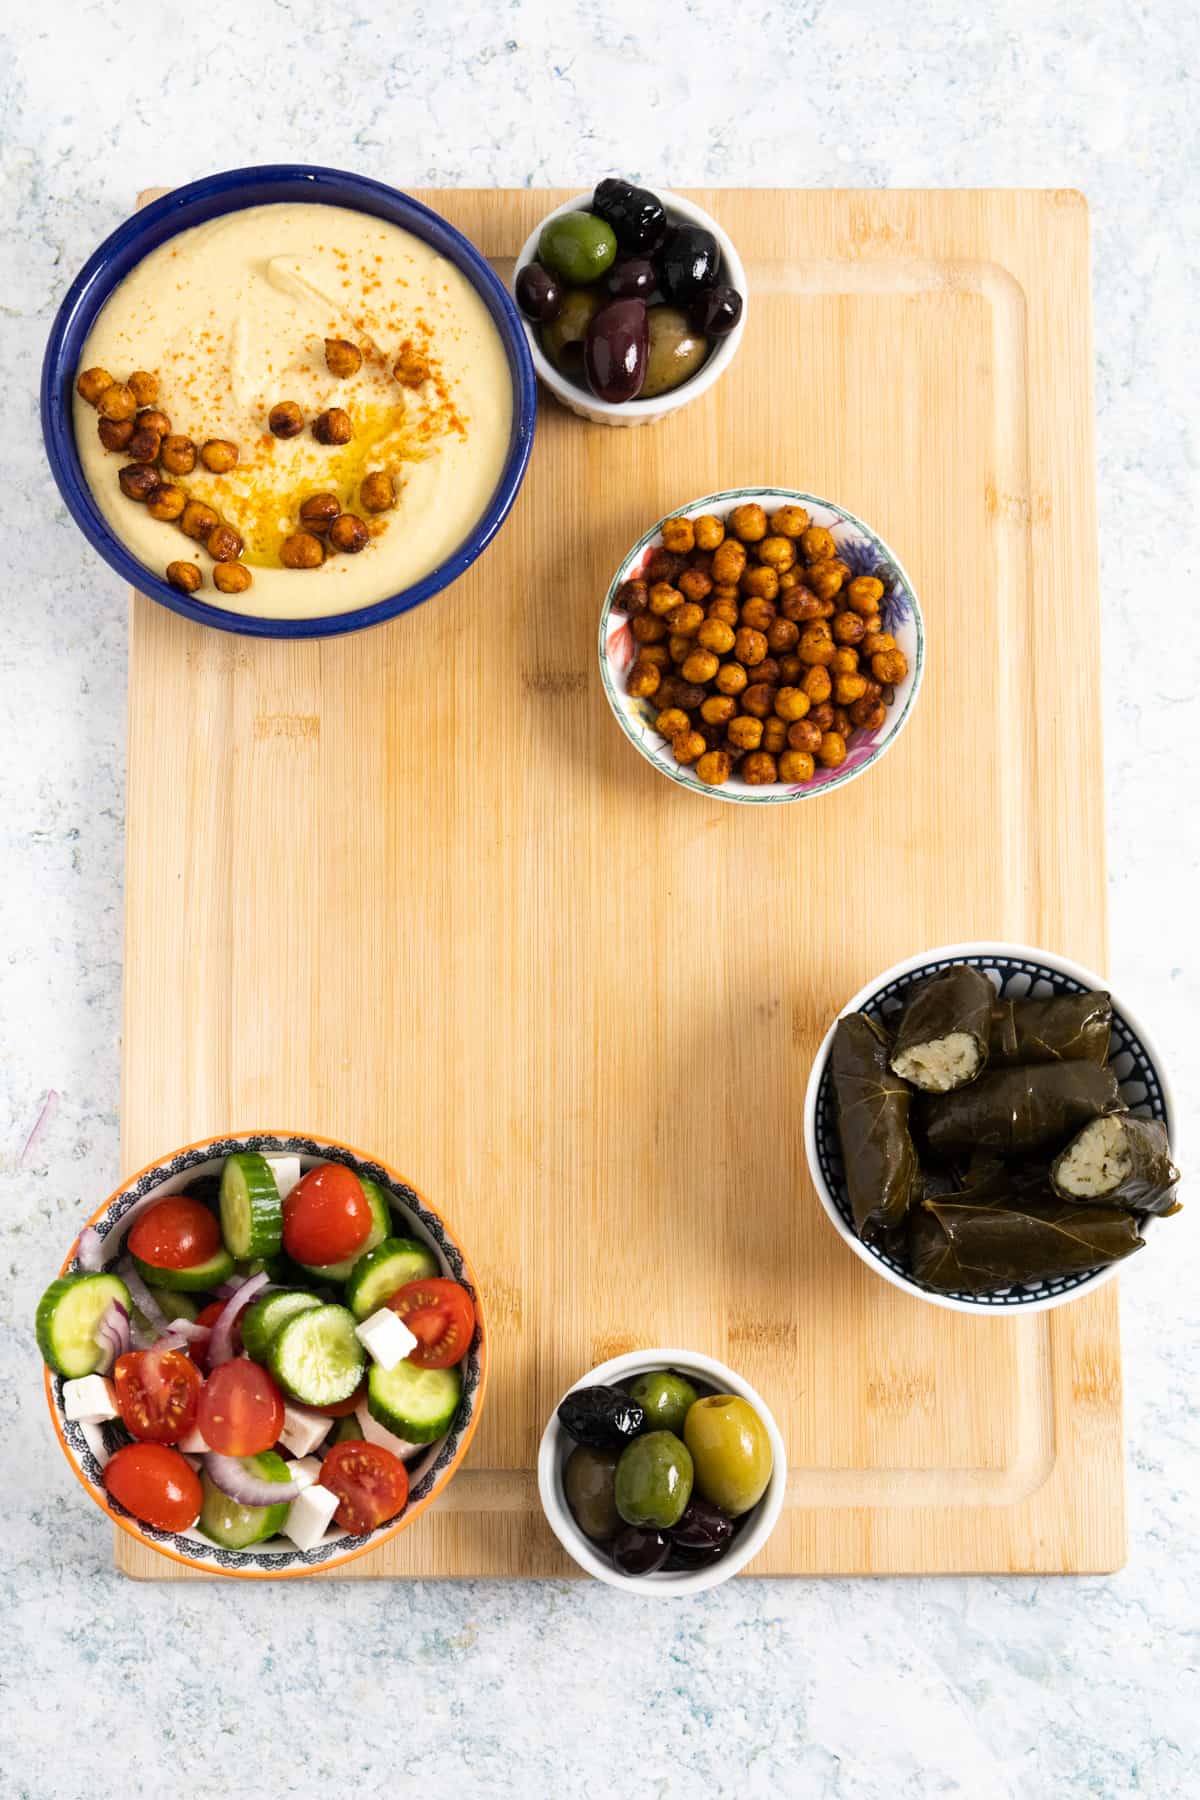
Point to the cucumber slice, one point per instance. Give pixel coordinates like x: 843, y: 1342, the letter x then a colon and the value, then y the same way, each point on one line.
x: 196, y: 1280
x: 316, y: 1357
x: 348, y: 1429
x: 237, y: 1527
x: 264, y: 1319
x: 416, y: 1404
x: 67, y: 1316
x: 381, y: 1224
x: 251, y: 1214
x: 175, y: 1306
x: 380, y: 1272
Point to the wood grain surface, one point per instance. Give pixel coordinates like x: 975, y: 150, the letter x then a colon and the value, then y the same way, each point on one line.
x: 413, y: 888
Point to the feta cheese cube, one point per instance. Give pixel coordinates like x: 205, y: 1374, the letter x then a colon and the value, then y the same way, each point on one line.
x: 304, y: 1471
x: 375, y: 1433
x: 286, y: 1170
x: 193, y: 1444
x: 385, y: 1337
x: 90, y: 1400
x: 309, y: 1515
x: 303, y: 1429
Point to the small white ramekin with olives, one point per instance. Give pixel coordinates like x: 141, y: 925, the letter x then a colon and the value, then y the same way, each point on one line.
x: 681, y: 359
x: 663, y: 1445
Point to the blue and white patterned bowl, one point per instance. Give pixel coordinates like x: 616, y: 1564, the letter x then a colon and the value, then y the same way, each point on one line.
x: 88, y: 1447
x: 866, y: 553
x: 1017, y: 972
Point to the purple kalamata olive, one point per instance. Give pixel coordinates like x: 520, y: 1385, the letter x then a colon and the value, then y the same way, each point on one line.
x: 703, y: 1526
x: 717, y: 311
x: 687, y: 263
x: 632, y: 278
x: 539, y: 293
x: 615, y: 352
x: 638, y: 1552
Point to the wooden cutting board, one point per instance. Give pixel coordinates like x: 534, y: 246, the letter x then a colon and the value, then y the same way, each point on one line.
x: 413, y: 888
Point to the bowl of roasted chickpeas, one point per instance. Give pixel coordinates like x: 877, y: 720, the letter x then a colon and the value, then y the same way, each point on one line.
x: 761, y: 645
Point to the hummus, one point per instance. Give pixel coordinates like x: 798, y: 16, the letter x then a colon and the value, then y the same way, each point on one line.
x: 232, y: 317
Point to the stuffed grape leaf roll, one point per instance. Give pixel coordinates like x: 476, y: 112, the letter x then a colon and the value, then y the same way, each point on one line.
x: 1017, y: 1111
x: 1122, y: 1160
x: 942, y: 1039
x: 872, y: 1114
x: 984, y: 1247
x: 1065, y: 1028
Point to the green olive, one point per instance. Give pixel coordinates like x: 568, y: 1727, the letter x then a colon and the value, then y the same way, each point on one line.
x: 588, y: 1481
x: 563, y: 338
x: 731, y: 1452
x: 664, y: 1397
x: 654, y: 1480
x: 676, y: 350
x: 579, y: 246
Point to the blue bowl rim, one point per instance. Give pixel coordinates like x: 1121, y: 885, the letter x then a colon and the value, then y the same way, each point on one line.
x: 232, y: 190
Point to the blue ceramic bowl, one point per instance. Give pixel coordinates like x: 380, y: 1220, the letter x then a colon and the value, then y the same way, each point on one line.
x: 209, y: 199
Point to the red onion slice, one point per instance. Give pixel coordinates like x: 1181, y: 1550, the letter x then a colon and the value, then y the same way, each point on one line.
x: 227, y: 1473
x: 90, y: 1250
x: 113, y: 1334
x: 143, y: 1299
x: 220, y: 1344
x: 229, y: 1288
x: 188, y: 1332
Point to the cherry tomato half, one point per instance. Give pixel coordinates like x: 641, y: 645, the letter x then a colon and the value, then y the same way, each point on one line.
x: 241, y: 1409
x: 175, y: 1234
x: 326, y: 1217
x: 157, y: 1394
x: 208, y: 1315
x: 341, y: 1409
x: 440, y: 1316
x: 371, y: 1484
x: 155, y: 1484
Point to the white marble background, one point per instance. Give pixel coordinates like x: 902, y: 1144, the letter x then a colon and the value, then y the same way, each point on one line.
x: 876, y: 1690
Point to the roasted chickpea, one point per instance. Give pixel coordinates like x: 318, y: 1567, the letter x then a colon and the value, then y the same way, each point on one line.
x: 841, y: 722
x: 630, y: 597
x: 153, y: 418
x: 889, y: 667
x: 845, y: 661
x: 177, y: 454
x: 377, y: 492
x: 715, y: 767
x: 702, y: 560
x: 114, y: 434
x: 231, y: 577
x: 301, y: 550
x: 774, y: 737
x: 219, y: 455
x: 848, y: 688
x: 342, y: 358
x: 791, y: 669
x: 333, y: 426
x: 644, y: 679
x: 796, y: 765
x: 848, y: 628
x: 832, y: 753
x: 166, y: 502
x: 224, y: 544
x: 817, y: 685
x: 93, y: 382
x: 826, y: 609
x: 729, y: 559
x: 680, y: 647
x: 779, y: 553
x: 759, y: 700
x: 759, y: 583
x: 687, y: 619
x: 822, y: 717
x: 671, y: 721
x: 876, y: 641
x: 825, y: 579
x: 715, y: 635
x: 694, y: 584
x: 647, y: 629
x: 689, y: 696
x: 138, y: 480
x: 731, y: 678
x: 863, y: 594
x: 410, y: 368
x: 872, y: 625
x: 757, y: 614
x: 143, y: 446
x: 799, y: 605
x: 868, y: 714
x: 709, y: 531
x: 874, y: 689
x: 749, y: 646
x: 726, y: 590
x: 749, y: 522
x: 783, y: 635
x: 116, y: 402
x: 759, y: 769
x: 714, y: 737
x: 805, y: 734
x: 816, y: 544
x: 286, y: 421
x: 658, y: 654
x: 689, y: 747
x: 788, y: 579
x: 318, y: 512
x: 663, y: 565
x: 815, y: 647
x: 718, y: 709
x: 789, y: 521
x: 349, y: 533
x: 679, y: 536
x: 745, y: 732
x: 768, y: 670
x: 700, y: 667
x: 144, y: 386
x: 724, y: 610
x: 664, y: 599
x: 198, y: 520
x: 185, y: 576
x: 792, y: 703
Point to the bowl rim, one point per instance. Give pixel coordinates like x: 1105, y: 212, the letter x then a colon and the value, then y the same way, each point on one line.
x: 213, y: 196
x: 770, y: 796
x: 978, y: 948
x: 633, y: 412
x: 197, y: 1565
x: 663, y: 1586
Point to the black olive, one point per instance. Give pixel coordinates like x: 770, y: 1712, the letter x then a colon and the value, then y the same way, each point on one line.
x: 603, y: 1417
x: 637, y: 216
x: 638, y: 1552
x: 703, y: 1526
x: 717, y: 311
x: 539, y: 293
x: 687, y: 263
x: 631, y: 278
x: 682, y: 1556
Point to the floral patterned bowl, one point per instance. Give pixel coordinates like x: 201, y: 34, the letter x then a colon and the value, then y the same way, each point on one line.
x: 88, y: 1447
x: 866, y: 553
